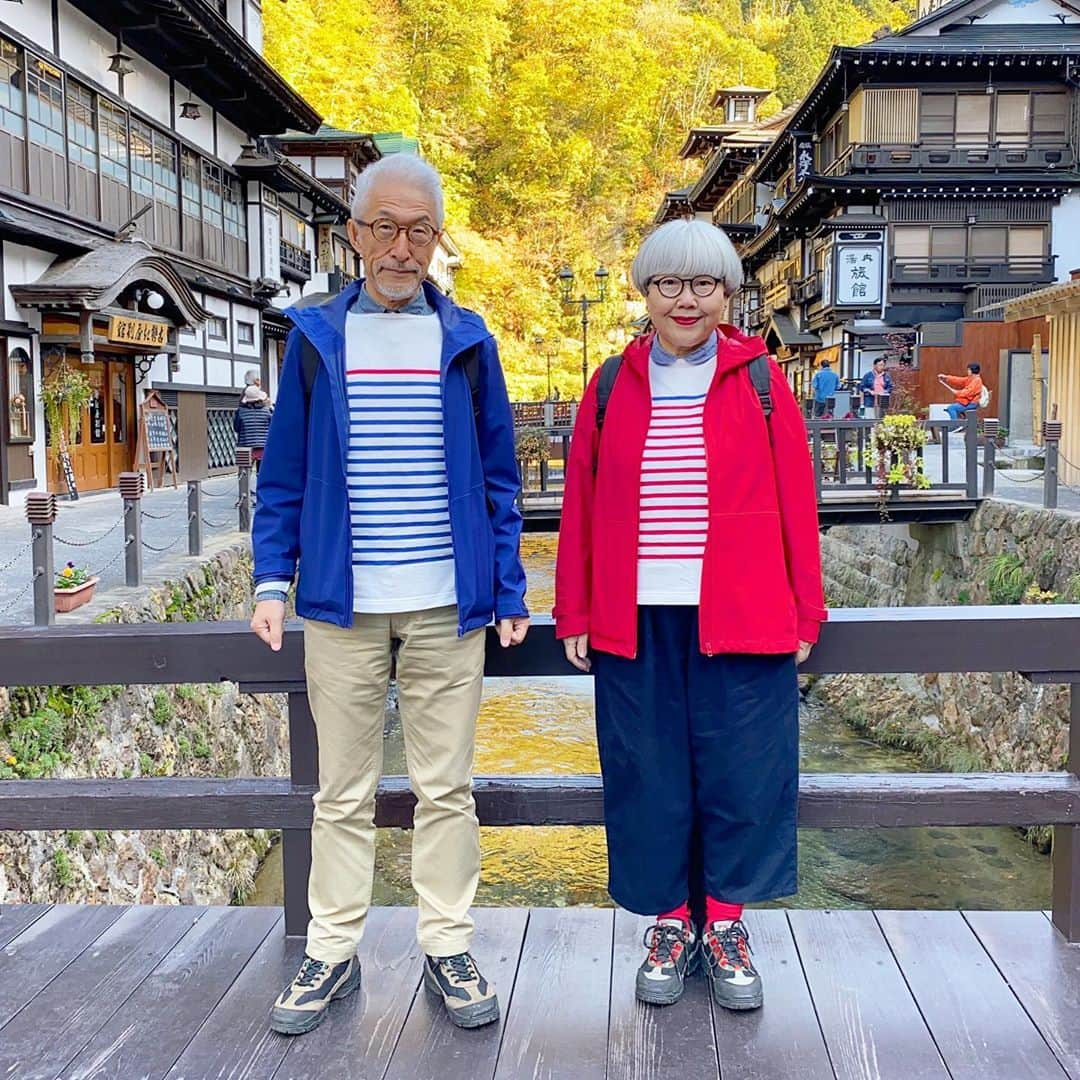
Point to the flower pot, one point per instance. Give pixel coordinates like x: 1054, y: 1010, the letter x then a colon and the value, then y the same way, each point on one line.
x: 70, y: 599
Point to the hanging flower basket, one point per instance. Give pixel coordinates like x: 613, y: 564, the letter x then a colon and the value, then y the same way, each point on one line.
x: 73, y: 588
x: 896, y: 458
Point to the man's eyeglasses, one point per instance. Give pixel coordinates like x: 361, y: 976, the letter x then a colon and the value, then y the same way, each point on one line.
x: 419, y: 234
x: 671, y: 287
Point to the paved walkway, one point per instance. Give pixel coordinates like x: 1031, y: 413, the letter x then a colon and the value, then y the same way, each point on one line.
x: 93, y: 528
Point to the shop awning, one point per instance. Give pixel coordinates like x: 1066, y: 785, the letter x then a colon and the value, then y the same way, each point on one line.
x: 782, y: 328
x: 94, y: 280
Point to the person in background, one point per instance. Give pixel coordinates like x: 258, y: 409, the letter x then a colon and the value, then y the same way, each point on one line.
x: 824, y: 386
x: 966, y: 390
x: 689, y: 580
x: 875, y: 385
x: 251, y: 421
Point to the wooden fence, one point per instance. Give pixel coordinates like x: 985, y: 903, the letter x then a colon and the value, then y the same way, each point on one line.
x: 1041, y: 642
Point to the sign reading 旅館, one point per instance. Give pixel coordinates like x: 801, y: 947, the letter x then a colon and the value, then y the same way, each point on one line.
x: 130, y: 331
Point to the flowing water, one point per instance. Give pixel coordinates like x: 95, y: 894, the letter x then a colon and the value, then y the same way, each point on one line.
x: 544, y: 726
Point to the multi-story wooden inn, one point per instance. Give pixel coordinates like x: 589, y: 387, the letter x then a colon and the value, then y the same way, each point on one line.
x: 927, y: 177
x: 163, y: 195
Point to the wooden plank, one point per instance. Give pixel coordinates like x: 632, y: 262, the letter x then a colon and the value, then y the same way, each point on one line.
x: 430, y: 1045
x: 1042, y: 970
x: 646, y: 1042
x: 158, y: 1020
x: 872, y: 800
x: 46, y: 947
x: 358, y: 1037
x: 558, y: 1025
x: 236, y: 1040
x: 978, y: 1026
x: 872, y: 1027
x: 859, y: 640
x: 47, y: 1034
x: 783, y: 1038
x: 15, y: 918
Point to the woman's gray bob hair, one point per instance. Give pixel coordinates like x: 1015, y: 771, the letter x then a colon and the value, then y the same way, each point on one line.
x: 687, y: 248
x: 406, y: 169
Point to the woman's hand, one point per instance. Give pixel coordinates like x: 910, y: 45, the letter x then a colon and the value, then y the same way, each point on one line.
x: 805, y: 648
x: 577, y: 651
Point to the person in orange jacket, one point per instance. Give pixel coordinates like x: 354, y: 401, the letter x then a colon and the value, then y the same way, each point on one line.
x: 967, y: 389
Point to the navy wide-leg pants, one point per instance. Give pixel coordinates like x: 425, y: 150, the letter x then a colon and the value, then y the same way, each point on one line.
x: 691, y: 742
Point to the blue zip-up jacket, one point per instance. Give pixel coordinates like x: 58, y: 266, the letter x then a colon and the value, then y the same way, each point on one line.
x: 302, y: 519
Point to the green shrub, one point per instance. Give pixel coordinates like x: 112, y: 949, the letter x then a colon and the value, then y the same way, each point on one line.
x: 1008, y: 579
x: 62, y: 868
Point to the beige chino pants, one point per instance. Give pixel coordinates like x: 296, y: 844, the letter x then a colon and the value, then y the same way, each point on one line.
x: 439, y: 683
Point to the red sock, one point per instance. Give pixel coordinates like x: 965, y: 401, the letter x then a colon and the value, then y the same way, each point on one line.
x: 681, y: 912
x: 717, y: 911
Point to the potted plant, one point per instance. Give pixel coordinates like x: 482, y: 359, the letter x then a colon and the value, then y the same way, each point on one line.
x: 1002, y: 437
x: 73, y: 587
x: 896, y: 457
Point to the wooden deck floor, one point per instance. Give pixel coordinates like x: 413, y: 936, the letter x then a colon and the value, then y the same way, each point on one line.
x: 183, y: 992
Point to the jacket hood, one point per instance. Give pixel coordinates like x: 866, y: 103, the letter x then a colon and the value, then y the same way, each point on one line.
x: 734, y: 349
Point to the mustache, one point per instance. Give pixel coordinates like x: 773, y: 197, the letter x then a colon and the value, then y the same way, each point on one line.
x: 393, y: 264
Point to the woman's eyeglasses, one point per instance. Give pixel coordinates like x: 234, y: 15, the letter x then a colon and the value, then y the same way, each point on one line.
x: 671, y: 287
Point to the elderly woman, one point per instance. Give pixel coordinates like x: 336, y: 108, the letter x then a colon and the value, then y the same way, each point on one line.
x: 689, y: 581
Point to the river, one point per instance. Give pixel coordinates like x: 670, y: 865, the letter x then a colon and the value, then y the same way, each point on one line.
x: 545, y: 727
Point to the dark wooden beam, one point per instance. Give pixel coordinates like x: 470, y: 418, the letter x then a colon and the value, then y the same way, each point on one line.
x: 826, y: 801
x: 1028, y: 638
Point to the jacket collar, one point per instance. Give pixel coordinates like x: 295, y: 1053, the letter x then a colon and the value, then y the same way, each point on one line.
x: 734, y: 349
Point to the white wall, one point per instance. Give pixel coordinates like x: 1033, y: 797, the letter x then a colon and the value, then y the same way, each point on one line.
x: 1065, y: 235
x: 201, y: 131
x: 242, y: 313
x: 191, y: 369
x: 32, y: 18
x: 86, y: 46
x: 330, y: 168
x: 255, y: 29
x: 230, y: 140
x: 219, y: 372
x: 148, y: 89
x: 23, y: 266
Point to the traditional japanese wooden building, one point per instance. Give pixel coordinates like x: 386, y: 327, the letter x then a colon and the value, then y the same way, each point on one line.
x: 928, y: 177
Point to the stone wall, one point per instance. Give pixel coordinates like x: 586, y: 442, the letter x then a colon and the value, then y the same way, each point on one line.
x: 145, y: 731
x: 961, y: 722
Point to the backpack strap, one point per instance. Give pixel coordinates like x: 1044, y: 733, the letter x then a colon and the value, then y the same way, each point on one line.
x: 471, y: 364
x: 609, y: 370
x: 760, y: 377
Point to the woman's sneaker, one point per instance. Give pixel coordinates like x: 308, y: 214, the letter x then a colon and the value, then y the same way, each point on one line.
x: 735, y: 982
x: 672, y: 947
x: 469, y: 998
x: 303, y: 1002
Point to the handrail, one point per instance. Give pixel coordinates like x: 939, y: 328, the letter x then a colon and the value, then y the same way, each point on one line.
x: 1042, y: 642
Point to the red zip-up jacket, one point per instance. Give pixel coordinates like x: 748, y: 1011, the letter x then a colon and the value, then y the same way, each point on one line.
x: 761, y: 588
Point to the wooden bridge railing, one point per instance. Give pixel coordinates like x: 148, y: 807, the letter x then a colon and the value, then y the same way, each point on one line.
x: 1041, y: 642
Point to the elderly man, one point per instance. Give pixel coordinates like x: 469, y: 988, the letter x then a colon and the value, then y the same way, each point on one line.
x: 389, y: 482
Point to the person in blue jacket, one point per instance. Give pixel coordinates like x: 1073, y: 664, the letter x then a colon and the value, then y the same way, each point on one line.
x: 824, y: 386
x: 388, y: 489
x: 876, y: 385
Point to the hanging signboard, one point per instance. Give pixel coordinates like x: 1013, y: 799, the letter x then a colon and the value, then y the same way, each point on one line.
x: 859, y: 258
x: 803, y: 152
x: 130, y: 331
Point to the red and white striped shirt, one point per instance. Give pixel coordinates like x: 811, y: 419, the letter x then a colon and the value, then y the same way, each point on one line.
x: 674, y: 516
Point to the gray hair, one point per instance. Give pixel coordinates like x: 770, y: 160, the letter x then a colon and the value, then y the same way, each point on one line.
x: 405, y: 169
x: 686, y: 248
x: 251, y: 375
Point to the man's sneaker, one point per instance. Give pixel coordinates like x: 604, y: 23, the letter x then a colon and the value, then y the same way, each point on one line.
x: 469, y: 999
x: 672, y: 947
x: 303, y: 1002
x: 735, y: 983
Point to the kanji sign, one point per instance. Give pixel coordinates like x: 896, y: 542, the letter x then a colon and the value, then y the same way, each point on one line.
x: 154, y: 335
x: 858, y: 275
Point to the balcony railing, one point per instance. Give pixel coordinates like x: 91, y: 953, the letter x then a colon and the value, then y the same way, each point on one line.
x: 807, y: 288
x: 934, y: 157
x: 295, y: 259
x: 907, y: 270
x: 777, y: 295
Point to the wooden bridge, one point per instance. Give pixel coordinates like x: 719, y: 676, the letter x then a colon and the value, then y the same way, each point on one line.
x: 183, y: 992
x: 848, y: 492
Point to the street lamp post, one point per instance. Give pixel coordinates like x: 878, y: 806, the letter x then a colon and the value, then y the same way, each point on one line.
x: 538, y: 341
x: 566, y: 286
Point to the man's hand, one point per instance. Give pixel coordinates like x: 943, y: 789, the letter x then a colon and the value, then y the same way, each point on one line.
x: 805, y: 648
x: 512, y: 631
x: 577, y: 651
x: 268, y: 622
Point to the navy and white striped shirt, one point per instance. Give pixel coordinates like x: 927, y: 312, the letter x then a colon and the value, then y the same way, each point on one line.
x: 402, y: 551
